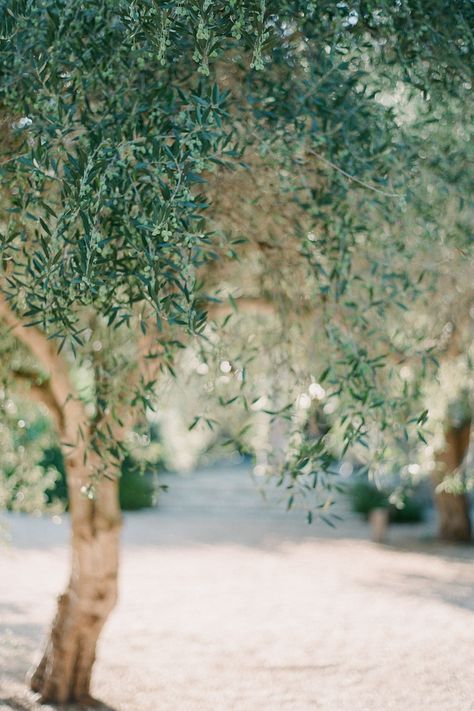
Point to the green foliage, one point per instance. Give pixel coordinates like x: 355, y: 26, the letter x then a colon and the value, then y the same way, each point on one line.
x: 161, y: 160
x: 136, y: 489
x: 365, y: 497
x: 53, y: 457
x: 114, y: 133
x: 28, y: 481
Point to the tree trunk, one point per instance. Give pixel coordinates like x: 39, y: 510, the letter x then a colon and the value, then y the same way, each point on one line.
x: 64, y: 672
x: 453, y: 509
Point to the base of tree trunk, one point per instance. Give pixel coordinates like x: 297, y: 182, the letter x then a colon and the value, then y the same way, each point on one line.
x: 64, y: 672
x: 454, y: 523
x: 454, y: 517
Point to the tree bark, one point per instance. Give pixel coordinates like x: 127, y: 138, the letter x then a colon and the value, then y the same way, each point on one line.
x: 453, y: 509
x: 64, y: 672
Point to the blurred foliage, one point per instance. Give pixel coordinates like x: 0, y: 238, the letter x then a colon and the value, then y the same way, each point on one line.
x: 273, y: 196
x: 32, y: 471
x: 137, y: 489
x: 27, y: 479
x: 53, y: 457
x: 365, y: 497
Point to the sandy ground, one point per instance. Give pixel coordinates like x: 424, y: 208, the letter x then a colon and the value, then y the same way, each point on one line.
x: 227, y: 604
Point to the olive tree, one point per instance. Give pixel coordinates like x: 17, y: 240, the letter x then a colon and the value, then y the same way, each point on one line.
x: 139, y: 141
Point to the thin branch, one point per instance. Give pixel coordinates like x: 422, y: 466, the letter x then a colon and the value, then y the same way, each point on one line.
x: 243, y: 304
x: 369, y: 186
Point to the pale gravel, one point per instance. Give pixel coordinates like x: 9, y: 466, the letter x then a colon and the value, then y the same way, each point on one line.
x: 227, y: 604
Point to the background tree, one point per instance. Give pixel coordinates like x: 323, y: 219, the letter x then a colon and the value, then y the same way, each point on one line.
x: 121, y: 122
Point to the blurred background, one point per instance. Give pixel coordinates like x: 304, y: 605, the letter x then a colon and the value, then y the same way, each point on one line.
x: 228, y: 599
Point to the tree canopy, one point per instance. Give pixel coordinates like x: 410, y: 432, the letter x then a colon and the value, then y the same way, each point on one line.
x: 180, y: 173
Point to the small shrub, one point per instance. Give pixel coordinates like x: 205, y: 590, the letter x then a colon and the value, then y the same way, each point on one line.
x: 365, y: 497
x: 136, y: 490
x: 53, y: 458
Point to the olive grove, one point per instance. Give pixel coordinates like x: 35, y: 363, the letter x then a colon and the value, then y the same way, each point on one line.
x: 268, y: 186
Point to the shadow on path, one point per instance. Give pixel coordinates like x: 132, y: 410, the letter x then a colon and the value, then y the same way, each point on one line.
x: 15, y: 703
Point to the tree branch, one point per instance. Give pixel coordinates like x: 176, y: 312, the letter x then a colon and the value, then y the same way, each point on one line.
x: 61, y: 390
x: 41, y: 392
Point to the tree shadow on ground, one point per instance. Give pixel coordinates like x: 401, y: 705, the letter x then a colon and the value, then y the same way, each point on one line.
x: 29, y: 703
x: 458, y: 593
x: 430, y: 544
x: 19, y: 643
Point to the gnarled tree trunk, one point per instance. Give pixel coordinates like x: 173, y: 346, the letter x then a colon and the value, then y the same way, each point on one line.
x: 453, y: 509
x: 64, y: 672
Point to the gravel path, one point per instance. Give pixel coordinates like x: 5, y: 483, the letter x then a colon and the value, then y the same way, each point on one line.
x: 227, y: 604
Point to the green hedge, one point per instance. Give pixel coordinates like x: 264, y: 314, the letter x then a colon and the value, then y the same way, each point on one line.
x: 365, y: 497
x: 136, y: 490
